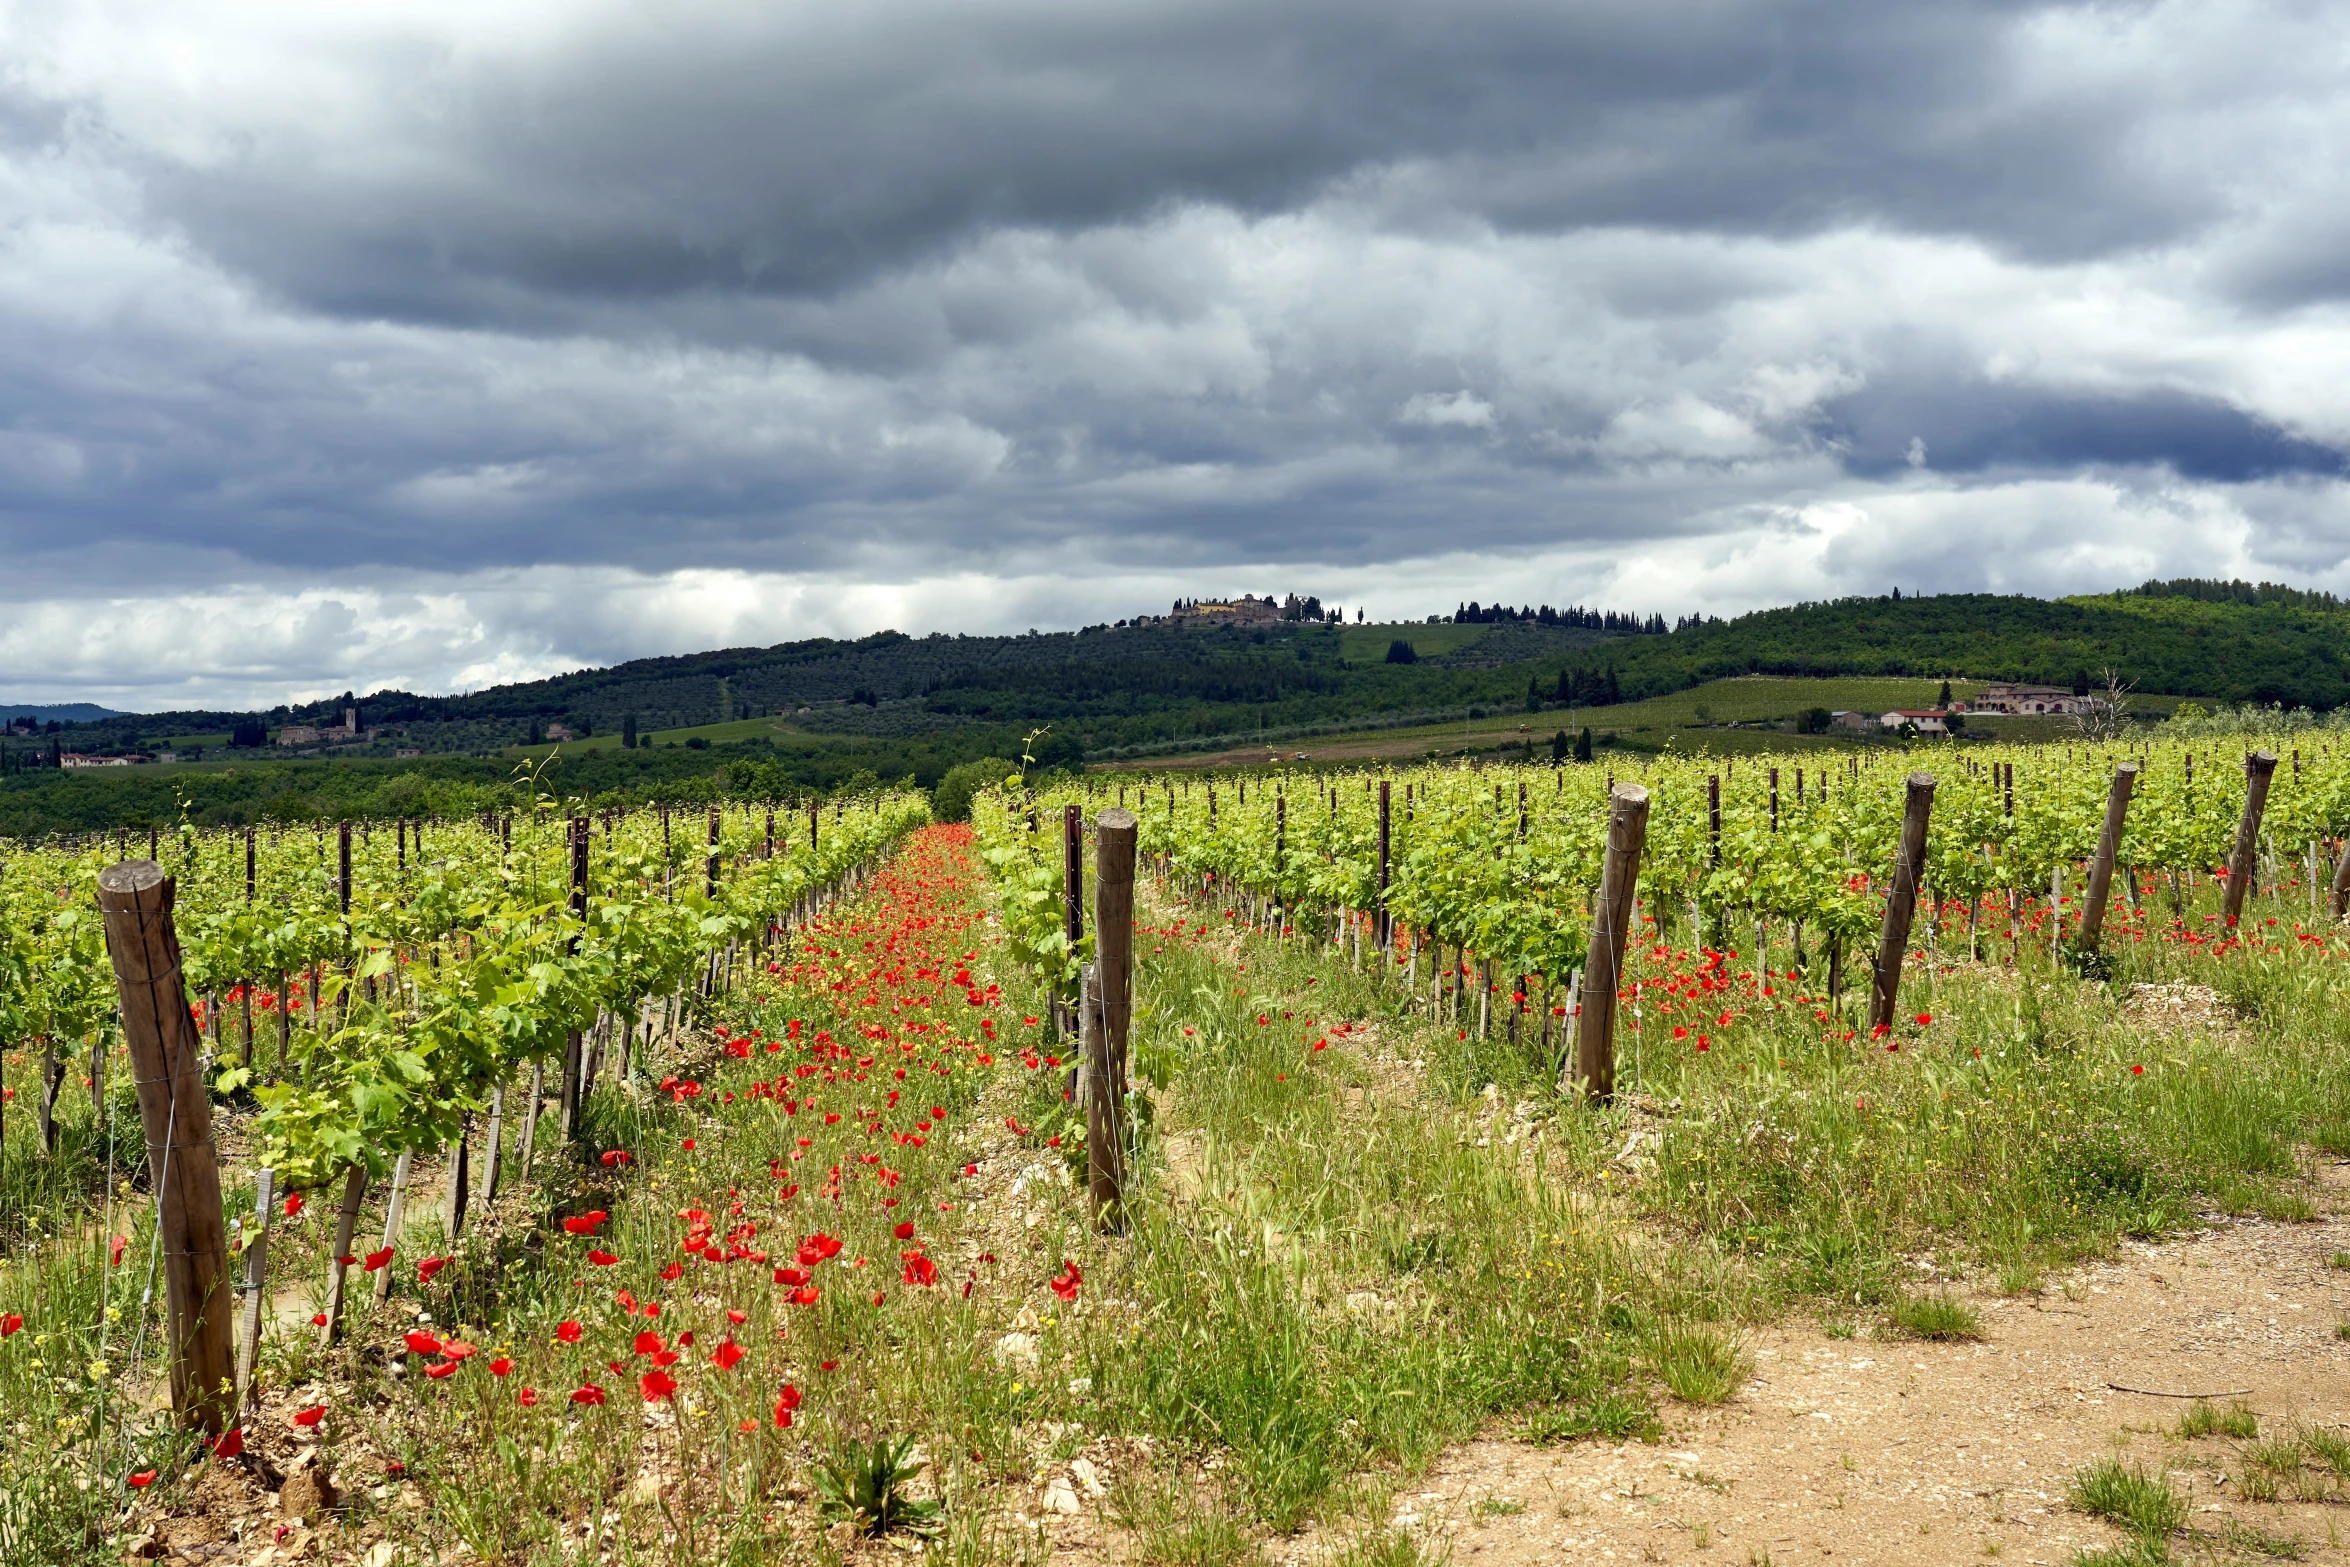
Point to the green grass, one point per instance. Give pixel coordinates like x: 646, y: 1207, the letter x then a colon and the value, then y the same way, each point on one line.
x: 1943, y: 1318
x: 2145, y: 1504
x: 2202, y: 1419
x: 1369, y: 644
x: 1699, y: 1365
x: 1612, y: 1415
x: 715, y: 734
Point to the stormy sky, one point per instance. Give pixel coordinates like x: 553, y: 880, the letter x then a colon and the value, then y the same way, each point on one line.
x: 438, y: 344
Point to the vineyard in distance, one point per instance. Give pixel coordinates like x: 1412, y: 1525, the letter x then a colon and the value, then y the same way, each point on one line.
x: 1537, y: 1095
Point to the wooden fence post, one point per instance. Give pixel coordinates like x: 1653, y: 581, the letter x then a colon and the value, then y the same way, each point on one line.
x: 1383, y: 925
x: 1611, y: 913
x: 135, y: 898
x: 1901, y: 901
x: 567, y: 1086
x: 493, y: 1145
x: 1108, y: 1011
x: 2341, y: 903
x: 256, y: 1282
x: 2109, y: 842
x: 395, y: 1219
x: 1072, y: 902
x: 338, y: 1268
x: 2259, y: 768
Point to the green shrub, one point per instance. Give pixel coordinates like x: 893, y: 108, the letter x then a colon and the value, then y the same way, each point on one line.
x: 951, y: 800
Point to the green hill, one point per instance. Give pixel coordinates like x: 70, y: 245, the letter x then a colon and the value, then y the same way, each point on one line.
x: 813, y: 714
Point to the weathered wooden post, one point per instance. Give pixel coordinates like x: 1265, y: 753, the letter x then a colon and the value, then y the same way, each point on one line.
x: 395, y: 1219
x: 2259, y: 768
x: 135, y: 899
x: 2109, y: 842
x: 1611, y: 914
x: 1108, y: 1012
x: 1901, y: 901
x: 346, y: 1227
x: 1383, y: 926
x: 2341, y: 891
x: 256, y: 1281
x: 1072, y: 901
x: 711, y: 866
x: 567, y: 1086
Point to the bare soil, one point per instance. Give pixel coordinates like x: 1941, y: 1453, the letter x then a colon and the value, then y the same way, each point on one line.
x: 1868, y: 1450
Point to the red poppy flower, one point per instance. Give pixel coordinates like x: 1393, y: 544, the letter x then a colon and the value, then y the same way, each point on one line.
x: 446, y: 1368
x: 656, y: 1385
x: 590, y: 1394
x: 114, y: 1253
x: 585, y: 1223
x: 140, y: 1481
x: 231, y: 1443
x: 528, y: 1398
x: 10, y: 1324
x: 423, y: 1343
x: 308, y: 1419
x: 318, y: 1319
x: 737, y: 1318
x: 2137, y: 1071
x: 376, y: 1259
x: 293, y: 1204
x: 458, y: 1349
x: 805, y: 1295
x: 1066, y: 1285
x: 428, y: 1267
x: 602, y: 1259
x: 920, y: 1269
x: 568, y: 1332
x: 726, y: 1356
x: 500, y: 1366
x: 672, y: 1272
x: 905, y: 1232
x: 649, y: 1342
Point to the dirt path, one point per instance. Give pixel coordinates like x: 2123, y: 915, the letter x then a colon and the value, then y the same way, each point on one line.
x: 1874, y: 1451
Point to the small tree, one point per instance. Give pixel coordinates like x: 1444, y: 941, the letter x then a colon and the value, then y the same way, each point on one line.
x: 1583, y: 745
x: 2106, y: 713
x: 628, y: 732
x: 1943, y: 700
x: 1401, y: 652
x: 1561, y: 747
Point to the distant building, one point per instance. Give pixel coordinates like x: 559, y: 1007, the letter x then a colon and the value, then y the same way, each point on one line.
x: 405, y: 753
x: 2009, y: 698
x: 1928, y: 720
x: 298, y: 734
x: 1246, y: 610
x: 558, y: 730
x: 1851, y: 718
x: 77, y: 759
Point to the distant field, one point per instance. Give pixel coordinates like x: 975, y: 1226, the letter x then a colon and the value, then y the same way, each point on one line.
x: 1369, y: 644
x: 1697, y: 719
x: 716, y: 734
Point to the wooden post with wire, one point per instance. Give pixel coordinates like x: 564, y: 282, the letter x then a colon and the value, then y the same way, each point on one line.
x: 1611, y: 915
x: 1108, y: 1011
x: 2109, y: 842
x: 166, y: 1050
x: 2259, y: 768
x: 1901, y: 901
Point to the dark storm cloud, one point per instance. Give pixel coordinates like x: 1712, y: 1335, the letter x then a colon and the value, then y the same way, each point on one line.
x: 1965, y: 426
x: 508, y: 335
x: 780, y: 153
